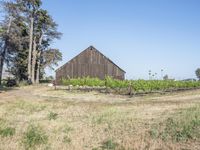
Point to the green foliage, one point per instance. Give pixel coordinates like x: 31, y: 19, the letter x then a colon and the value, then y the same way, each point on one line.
x: 137, y: 85
x: 182, y: 127
x: 52, y: 116
x: 5, y: 130
x: 34, y: 136
x: 66, y: 139
x: 45, y: 81
x: 197, y: 72
x: 67, y: 129
x: 109, y: 145
x: 8, y: 131
x: 84, y: 82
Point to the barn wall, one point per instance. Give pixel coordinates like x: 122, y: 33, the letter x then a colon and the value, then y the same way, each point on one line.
x: 89, y: 63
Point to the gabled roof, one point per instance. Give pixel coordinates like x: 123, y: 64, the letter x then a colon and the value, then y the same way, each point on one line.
x: 92, y: 48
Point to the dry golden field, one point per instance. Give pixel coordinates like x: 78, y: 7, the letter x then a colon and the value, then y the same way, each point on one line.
x: 39, y: 117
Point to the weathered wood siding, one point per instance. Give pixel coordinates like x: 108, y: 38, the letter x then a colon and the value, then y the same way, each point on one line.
x: 90, y: 63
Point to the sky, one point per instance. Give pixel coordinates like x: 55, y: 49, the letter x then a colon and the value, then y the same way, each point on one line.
x: 138, y: 35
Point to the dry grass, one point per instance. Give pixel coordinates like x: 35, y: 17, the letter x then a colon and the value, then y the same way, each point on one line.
x: 38, y: 117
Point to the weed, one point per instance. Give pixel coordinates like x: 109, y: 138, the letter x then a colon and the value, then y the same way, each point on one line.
x: 52, y: 116
x: 182, y: 127
x: 8, y: 131
x: 67, y: 129
x: 66, y: 139
x: 34, y: 136
x: 109, y: 145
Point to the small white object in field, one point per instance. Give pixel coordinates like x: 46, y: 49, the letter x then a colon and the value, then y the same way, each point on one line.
x: 50, y: 85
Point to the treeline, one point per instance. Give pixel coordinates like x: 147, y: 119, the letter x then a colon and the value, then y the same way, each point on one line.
x: 137, y: 86
x: 26, y: 34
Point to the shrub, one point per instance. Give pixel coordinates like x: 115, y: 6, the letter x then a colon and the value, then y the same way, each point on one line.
x: 11, y: 83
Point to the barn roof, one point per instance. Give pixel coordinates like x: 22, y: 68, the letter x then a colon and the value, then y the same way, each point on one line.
x: 91, y: 48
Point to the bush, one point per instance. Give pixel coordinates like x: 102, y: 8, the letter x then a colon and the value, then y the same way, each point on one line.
x: 11, y: 83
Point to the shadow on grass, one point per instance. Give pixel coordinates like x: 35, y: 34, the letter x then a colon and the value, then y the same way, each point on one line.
x: 5, y: 89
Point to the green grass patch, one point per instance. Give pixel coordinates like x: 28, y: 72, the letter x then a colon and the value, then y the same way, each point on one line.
x: 183, y: 126
x: 5, y: 130
x: 67, y: 129
x: 52, y: 116
x: 8, y: 131
x: 34, y: 136
x: 109, y: 145
x: 67, y: 139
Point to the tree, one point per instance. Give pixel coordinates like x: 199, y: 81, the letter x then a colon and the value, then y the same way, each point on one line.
x: 166, y: 77
x: 197, y: 72
x: 30, y: 8
x: 8, y: 36
x: 26, y: 47
x: 45, y: 31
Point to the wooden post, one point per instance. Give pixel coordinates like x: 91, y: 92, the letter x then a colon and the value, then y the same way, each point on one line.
x: 130, y: 89
x: 54, y: 84
x: 106, y: 84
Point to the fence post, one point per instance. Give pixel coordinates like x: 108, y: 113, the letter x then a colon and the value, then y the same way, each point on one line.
x: 54, y: 84
x: 130, y: 89
x: 106, y: 84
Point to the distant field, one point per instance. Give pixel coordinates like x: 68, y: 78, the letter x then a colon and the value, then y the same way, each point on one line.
x: 39, y: 117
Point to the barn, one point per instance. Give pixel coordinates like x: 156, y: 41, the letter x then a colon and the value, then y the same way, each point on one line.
x: 90, y: 63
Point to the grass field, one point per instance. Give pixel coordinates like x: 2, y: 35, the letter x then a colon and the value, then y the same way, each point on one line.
x: 38, y: 117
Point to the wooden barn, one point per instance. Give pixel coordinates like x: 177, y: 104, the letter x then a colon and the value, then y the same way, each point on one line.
x: 90, y: 63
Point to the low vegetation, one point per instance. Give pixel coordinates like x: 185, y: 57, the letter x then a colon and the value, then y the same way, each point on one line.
x: 8, y: 131
x: 44, y: 118
x: 183, y: 126
x: 5, y: 129
x: 52, y: 116
x: 34, y: 136
x: 136, y: 86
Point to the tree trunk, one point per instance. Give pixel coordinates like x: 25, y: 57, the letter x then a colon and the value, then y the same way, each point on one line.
x: 30, y: 48
x: 3, y: 54
x: 38, y: 69
x: 34, y: 60
x: 1, y: 67
x: 39, y: 61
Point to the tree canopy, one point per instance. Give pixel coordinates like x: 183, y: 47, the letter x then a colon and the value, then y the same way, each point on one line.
x: 26, y: 34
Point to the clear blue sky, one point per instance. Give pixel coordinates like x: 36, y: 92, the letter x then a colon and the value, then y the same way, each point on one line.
x: 138, y: 35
